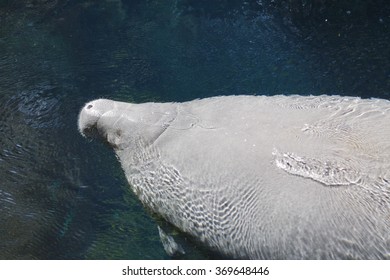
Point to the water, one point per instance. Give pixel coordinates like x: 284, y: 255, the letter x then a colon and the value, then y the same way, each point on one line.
x: 62, y: 197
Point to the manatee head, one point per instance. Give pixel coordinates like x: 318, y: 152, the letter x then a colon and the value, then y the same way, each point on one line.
x: 119, y: 124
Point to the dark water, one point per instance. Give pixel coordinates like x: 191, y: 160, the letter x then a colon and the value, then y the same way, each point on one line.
x: 62, y: 197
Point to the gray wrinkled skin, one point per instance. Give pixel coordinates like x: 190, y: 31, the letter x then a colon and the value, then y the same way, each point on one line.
x: 255, y: 177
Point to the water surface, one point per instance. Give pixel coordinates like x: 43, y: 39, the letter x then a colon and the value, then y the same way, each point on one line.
x: 62, y: 197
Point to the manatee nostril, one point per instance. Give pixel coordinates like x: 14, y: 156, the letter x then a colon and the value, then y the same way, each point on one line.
x: 89, y: 106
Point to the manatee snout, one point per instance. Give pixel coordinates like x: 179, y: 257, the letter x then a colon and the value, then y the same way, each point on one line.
x: 90, y: 115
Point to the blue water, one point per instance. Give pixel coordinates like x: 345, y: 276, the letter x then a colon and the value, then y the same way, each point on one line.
x: 62, y: 197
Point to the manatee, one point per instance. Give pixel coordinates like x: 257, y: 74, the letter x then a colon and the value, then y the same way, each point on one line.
x: 259, y: 177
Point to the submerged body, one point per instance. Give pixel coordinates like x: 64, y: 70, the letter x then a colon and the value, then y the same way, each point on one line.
x: 283, y: 177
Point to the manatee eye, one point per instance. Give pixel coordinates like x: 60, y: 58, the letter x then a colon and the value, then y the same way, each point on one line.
x: 89, y: 106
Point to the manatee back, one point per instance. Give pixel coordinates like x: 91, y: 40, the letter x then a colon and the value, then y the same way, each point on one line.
x: 273, y: 177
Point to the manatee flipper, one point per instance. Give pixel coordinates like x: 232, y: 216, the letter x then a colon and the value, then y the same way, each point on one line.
x: 171, y: 247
